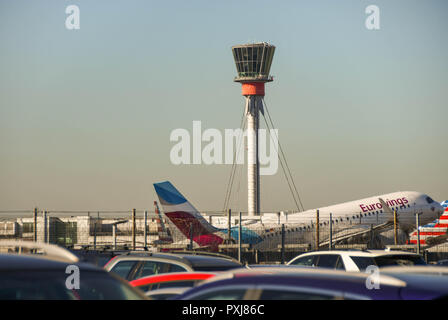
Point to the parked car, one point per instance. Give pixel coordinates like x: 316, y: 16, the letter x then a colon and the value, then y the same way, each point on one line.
x: 41, y: 249
x: 428, y: 282
x: 170, y: 280
x: 316, y: 284
x: 292, y: 284
x: 138, y: 265
x: 356, y: 260
x: 442, y: 262
x: 166, y: 293
x: 26, y: 277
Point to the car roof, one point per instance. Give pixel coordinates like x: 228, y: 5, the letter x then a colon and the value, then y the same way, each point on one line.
x: 361, y: 253
x: 380, y: 253
x: 350, y: 284
x: 47, y: 250
x: 172, y: 276
x: 206, y: 261
x: 302, y: 272
x: 426, y: 269
x: 173, y: 290
x: 14, y: 262
x: 257, y: 266
x: 193, y: 260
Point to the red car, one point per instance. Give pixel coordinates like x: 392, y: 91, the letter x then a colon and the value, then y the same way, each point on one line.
x: 170, y: 280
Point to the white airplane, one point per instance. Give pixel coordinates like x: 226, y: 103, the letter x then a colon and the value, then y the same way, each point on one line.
x: 265, y: 232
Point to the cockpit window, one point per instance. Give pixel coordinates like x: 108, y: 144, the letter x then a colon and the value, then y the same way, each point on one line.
x: 429, y: 200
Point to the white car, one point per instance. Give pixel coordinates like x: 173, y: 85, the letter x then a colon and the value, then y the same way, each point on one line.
x: 356, y: 260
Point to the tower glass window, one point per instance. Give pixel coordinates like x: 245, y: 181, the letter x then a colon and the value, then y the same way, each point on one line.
x: 253, y: 61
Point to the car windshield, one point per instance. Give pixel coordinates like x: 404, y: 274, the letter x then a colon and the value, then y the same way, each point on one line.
x: 211, y: 264
x: 363, y: 262
x: 390, y: 260
x: 399, y: 260
x: 51, y: 285
x: 162, y: 296
x: 122, y: 268
x: 215, y: 268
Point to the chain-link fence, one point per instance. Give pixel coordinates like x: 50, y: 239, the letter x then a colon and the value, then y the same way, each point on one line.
x: 87, y: 230
x: 260, y: 242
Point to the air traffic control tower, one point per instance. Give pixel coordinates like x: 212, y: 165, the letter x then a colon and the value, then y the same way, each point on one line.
x: 253, y: 62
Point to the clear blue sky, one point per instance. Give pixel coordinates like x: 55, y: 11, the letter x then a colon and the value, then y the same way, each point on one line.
x: 86, y: 115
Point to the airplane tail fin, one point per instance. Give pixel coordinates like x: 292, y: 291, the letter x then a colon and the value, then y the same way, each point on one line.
x: 183, y: 215
x: 434, y: 232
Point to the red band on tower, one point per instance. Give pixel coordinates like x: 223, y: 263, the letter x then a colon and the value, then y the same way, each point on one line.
x: 252, y: 89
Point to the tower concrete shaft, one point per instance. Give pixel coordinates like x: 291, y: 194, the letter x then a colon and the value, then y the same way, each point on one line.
x: 253, y: 107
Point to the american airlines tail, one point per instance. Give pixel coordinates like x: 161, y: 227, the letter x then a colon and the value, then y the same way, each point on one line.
x: 186, y: 218
x: 434, y: 231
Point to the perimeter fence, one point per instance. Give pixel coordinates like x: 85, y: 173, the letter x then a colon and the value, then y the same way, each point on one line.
x: 261, y: 241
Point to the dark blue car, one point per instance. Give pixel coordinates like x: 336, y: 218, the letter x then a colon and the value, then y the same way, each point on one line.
x: 313, y: 284
x: 38, y: 278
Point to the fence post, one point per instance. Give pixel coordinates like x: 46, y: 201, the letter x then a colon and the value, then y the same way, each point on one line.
x: 89, y: 224
x: 133, y: 229
x: 283, y: 245
x: 417, y: 224
x: 330, y: 245
x: 229, y: 223
x: 191, y: 236
x: 240, y: 233
x: 395, y: 227
x: 94, y: 234
x: 35, y: 224
x: 145, y: 232
x: 45, y: 226
x: 317, y: 230
x: 114, y: 235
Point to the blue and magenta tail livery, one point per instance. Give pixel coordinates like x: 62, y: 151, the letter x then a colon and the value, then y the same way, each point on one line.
x: 190, y: 222
x: 186, y: 218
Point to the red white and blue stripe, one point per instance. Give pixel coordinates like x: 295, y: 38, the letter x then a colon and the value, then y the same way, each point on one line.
x: 434, y: 229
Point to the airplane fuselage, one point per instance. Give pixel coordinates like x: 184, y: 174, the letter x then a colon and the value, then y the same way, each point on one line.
x: 368, y: 211
x: 266, y: 230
